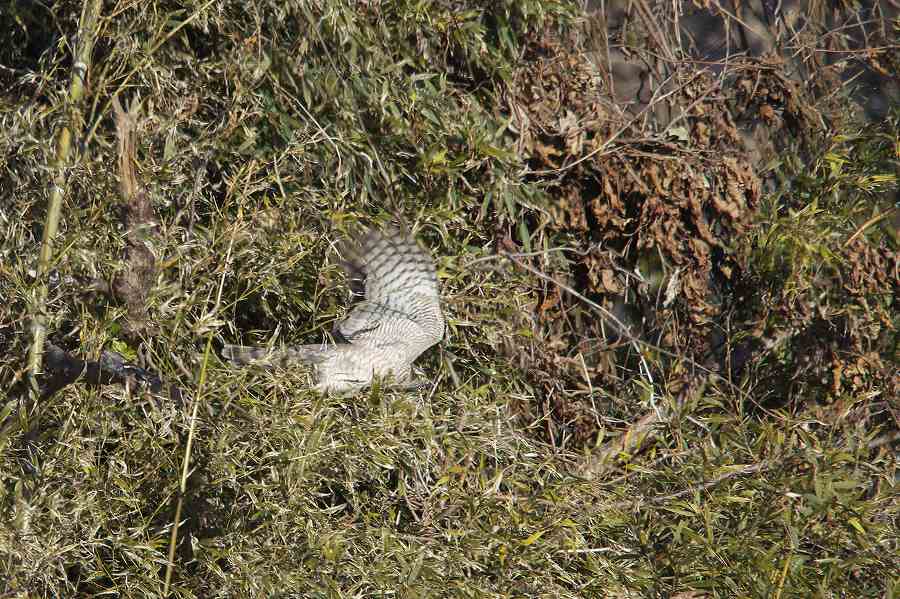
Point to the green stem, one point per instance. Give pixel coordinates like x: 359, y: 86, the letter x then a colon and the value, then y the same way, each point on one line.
x: 87, y: 31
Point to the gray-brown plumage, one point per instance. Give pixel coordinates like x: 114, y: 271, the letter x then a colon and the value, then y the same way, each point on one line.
x: 398, y: 318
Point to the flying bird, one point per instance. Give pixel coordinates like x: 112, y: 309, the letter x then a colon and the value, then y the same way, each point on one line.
x: 397, y: 318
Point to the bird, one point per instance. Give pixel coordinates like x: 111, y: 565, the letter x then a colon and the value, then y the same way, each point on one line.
x: 397, y: 319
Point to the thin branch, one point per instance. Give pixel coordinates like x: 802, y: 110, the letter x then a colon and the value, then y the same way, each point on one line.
x: 869, y: 223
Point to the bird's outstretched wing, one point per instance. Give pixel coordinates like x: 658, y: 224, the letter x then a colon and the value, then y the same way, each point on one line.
x: 401, y: 304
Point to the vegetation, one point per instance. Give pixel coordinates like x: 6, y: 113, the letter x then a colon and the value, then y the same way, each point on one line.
x: 671, y: 360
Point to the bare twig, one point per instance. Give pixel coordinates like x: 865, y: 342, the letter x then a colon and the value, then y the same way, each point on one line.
x: 869, y: 223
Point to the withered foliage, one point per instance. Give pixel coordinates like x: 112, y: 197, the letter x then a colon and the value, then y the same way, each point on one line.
x: 831, y: 336
x: 698, y: 170
x: 666, y: 206
x: 657, y: 213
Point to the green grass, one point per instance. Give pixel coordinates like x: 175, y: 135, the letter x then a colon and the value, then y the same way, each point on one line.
x: 266, y: 131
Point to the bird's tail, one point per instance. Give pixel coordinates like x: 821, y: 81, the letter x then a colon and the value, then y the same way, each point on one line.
x: 276, y: 356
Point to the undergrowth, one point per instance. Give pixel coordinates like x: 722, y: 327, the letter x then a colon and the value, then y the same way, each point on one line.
x: 671, y: 361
